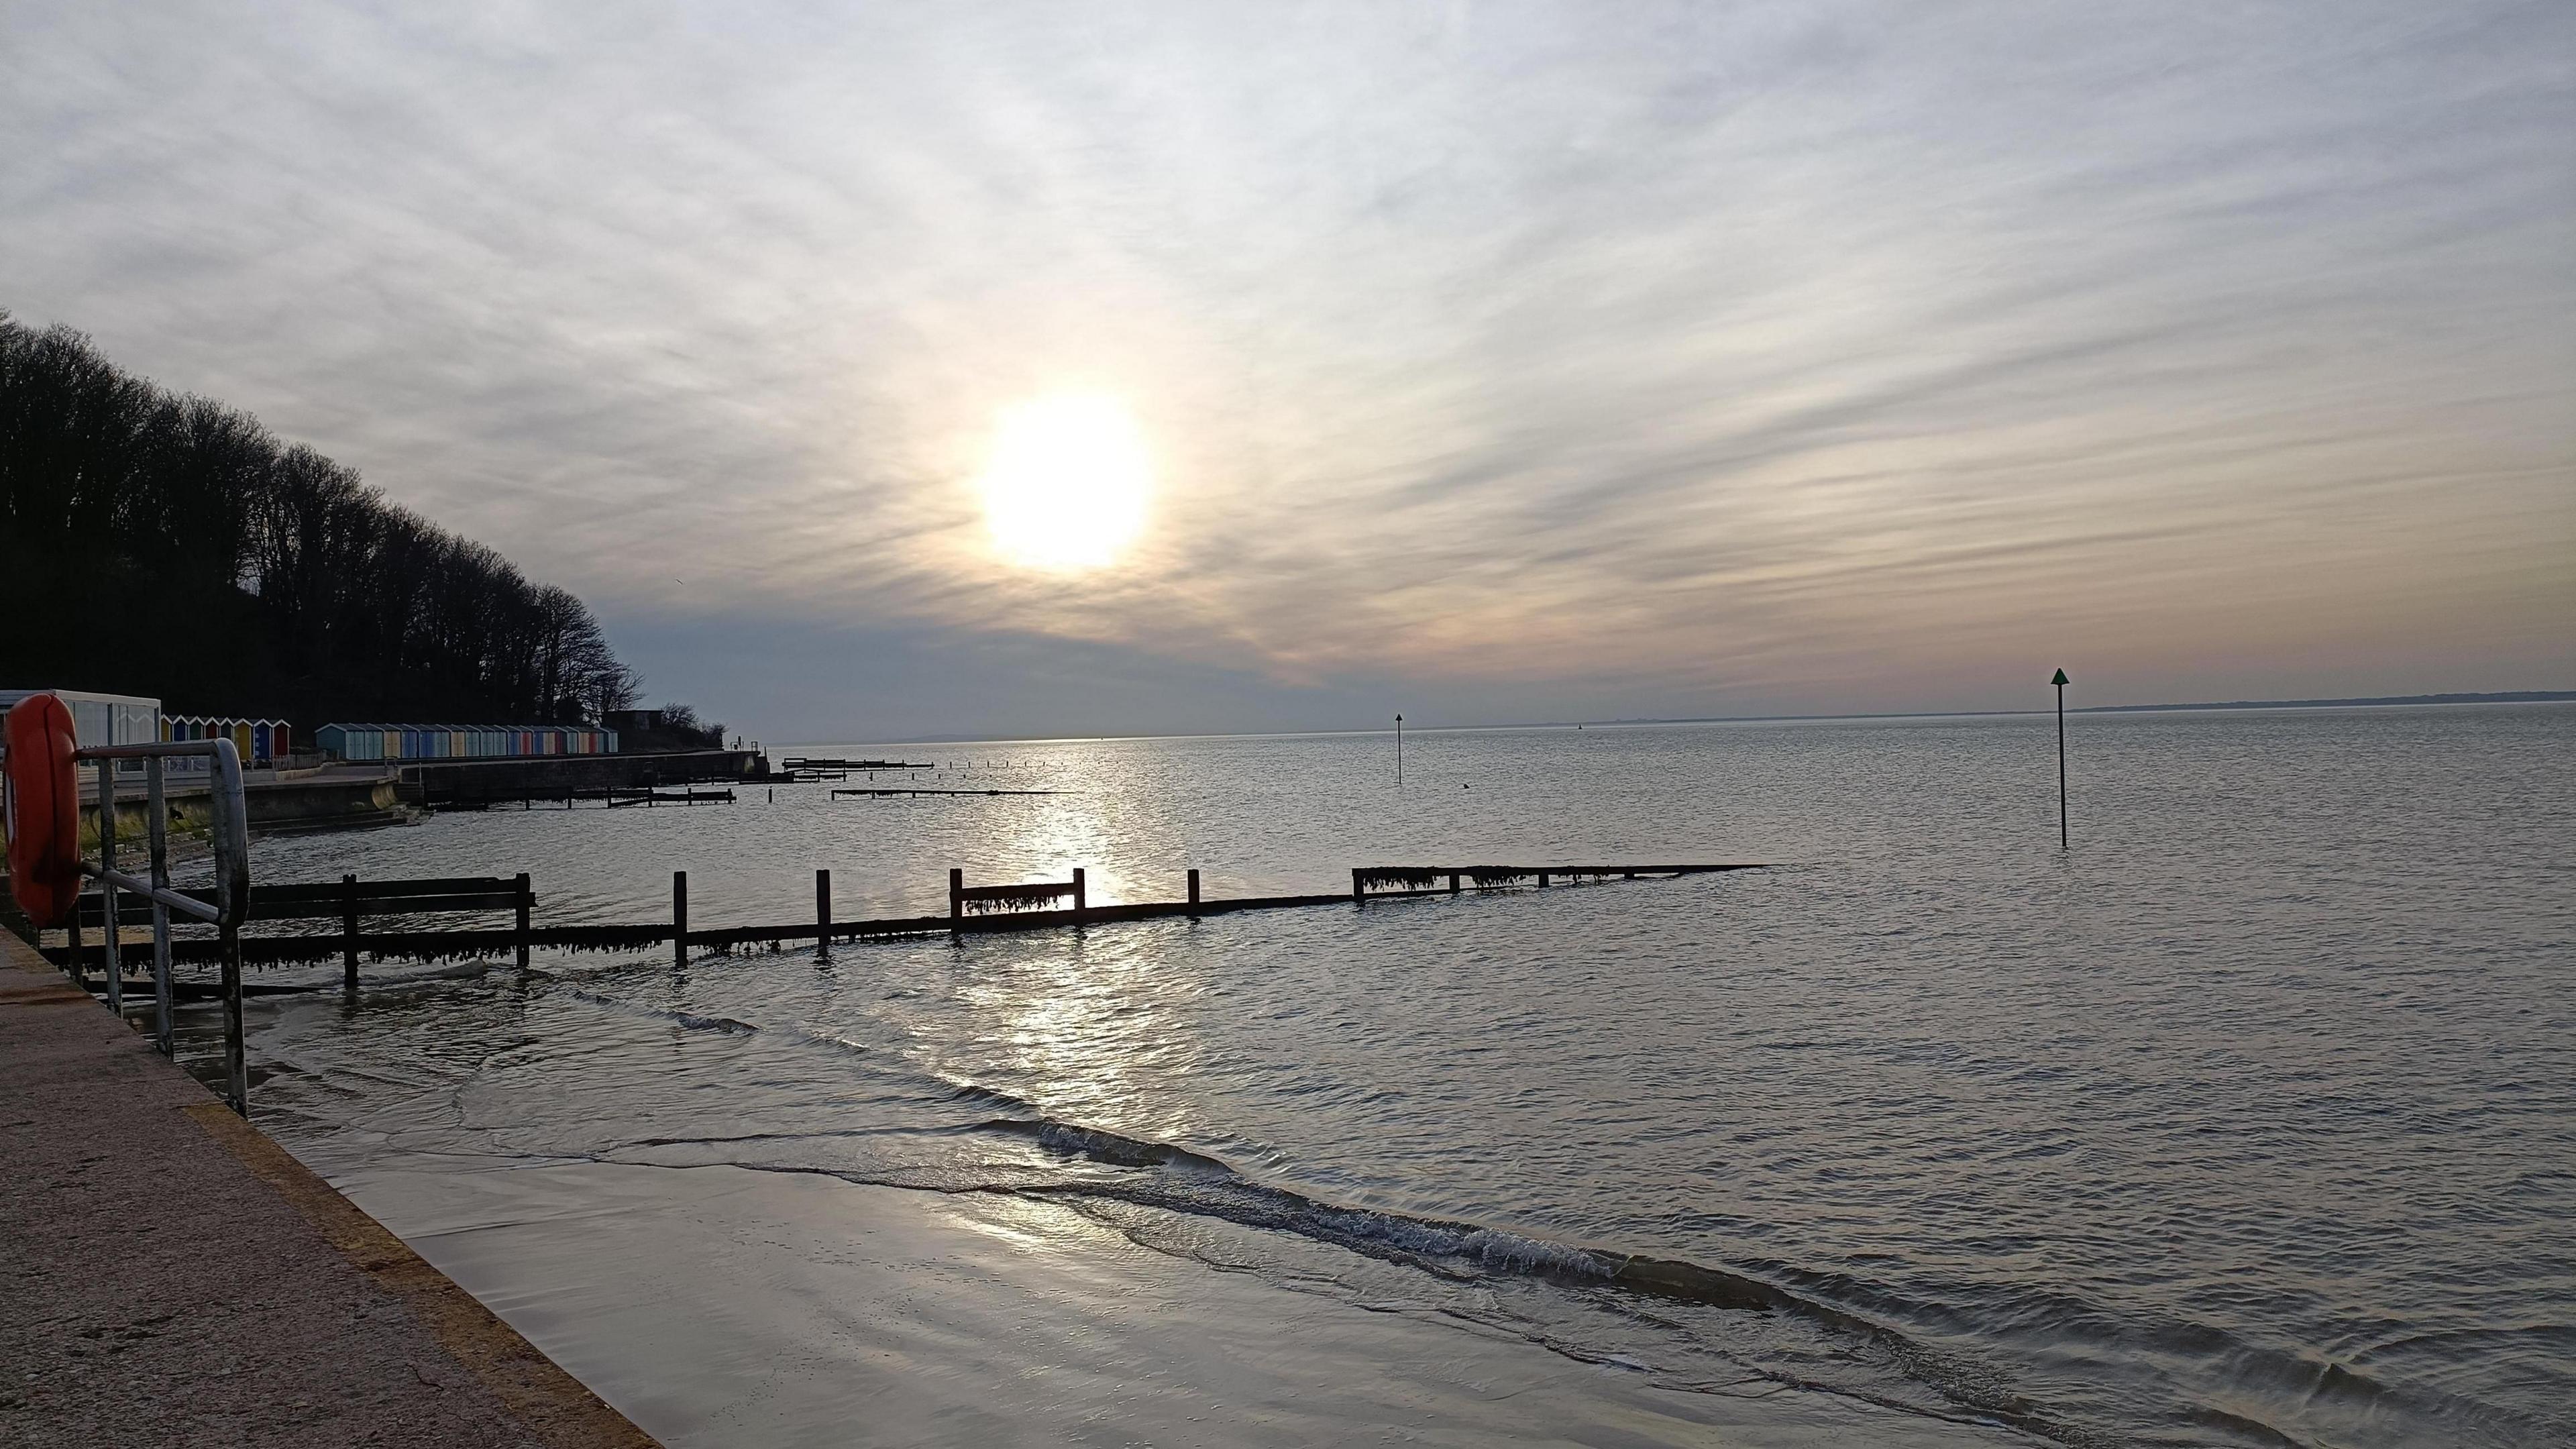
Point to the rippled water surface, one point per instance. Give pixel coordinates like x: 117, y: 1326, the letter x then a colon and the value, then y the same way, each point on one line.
x: 2250, y: 1120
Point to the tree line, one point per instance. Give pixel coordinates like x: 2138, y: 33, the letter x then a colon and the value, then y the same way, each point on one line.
x: 164, y: 544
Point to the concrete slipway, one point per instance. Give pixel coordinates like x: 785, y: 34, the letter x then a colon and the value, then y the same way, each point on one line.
x: 170, y: 1276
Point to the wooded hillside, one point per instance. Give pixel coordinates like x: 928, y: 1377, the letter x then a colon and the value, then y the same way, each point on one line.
x: 253, y: 576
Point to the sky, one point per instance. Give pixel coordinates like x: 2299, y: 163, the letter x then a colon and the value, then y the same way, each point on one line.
x: 1488, y: 363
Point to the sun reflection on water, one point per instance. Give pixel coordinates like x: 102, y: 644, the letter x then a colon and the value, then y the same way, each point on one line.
x: 1081, y: 1028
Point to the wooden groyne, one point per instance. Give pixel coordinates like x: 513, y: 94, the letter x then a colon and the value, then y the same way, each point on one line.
x: 570, y: 798
x: 972, y: 910
x: 1380, y: 881
x: 440, y: 783
x: 910, y: 790
x: 650, y: 798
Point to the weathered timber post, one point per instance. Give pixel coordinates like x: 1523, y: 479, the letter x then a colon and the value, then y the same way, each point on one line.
x: 348, y: 932
x: 679, y: 918
x: 527, y: 906
x: 1453, y: 882
x: 822, y: 909
x: 1542, y: 880
x: 956, y: 901
x: 1194, y: 892
x: 1081, y: 902
x: 1358, y: 896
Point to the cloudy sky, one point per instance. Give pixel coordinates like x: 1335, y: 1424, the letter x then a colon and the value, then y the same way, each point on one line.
x: 1488, y: 362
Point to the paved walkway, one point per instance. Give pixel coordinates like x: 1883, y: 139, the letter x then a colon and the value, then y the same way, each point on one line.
x: 169, y: 1276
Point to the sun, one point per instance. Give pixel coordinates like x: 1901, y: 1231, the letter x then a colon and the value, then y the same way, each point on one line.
x: 1066, y: 486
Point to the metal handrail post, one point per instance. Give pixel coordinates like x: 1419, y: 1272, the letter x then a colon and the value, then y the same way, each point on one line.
x: 111, y: 932
x: 236, y: 1071
x: 229, y: 834
x: 157, y: 829
x: 80, y: 973
x: 231, y: 830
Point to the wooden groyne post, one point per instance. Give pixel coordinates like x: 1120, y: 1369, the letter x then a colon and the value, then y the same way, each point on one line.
x: 527, y: 905
x: 1194, y: 893
x: 349, y: 932
x: 822, y: 910
x: 1081, y: 903
x: 679, y: 918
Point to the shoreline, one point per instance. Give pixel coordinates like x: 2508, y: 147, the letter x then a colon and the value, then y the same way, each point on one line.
x: 923, y: 1317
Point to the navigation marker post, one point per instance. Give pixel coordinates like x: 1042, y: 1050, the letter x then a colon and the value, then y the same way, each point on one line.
x: 1399, y: 752
x: 2060, y: 682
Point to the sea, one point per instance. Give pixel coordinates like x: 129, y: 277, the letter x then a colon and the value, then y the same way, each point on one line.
x: 2247, y: 1119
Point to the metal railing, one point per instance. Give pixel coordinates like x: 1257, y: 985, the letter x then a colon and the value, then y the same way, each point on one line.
x: 229, y: 829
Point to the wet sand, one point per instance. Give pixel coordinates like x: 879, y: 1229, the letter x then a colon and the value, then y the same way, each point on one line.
x: 723, y: 1306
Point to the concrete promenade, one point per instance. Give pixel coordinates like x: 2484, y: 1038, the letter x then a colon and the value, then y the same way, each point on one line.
x: 169, y: 1276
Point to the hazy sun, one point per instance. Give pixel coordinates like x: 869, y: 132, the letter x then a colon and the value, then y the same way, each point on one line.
x: 1065, y: 487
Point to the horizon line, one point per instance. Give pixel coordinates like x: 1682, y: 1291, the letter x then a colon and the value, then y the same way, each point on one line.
x: 2508, y: 696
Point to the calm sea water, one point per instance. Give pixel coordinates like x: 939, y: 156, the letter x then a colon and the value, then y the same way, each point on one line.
x: 2250, y: 1120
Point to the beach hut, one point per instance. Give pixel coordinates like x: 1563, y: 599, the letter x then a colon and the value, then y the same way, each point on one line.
x: 259, y: 742
x: 361, y: 741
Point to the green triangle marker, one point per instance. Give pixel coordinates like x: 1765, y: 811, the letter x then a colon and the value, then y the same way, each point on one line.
x: 2060, y: 679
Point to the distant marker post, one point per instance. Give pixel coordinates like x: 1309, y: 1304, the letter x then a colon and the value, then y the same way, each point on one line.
x: 2060, y: 682
x: 1399, y: 751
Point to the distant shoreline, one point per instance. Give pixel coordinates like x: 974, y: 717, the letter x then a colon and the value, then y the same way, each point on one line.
x: 2510, y: 696
x: 2513, y: 696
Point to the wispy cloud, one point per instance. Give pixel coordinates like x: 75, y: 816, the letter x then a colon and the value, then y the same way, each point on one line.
x: 1680, y: 359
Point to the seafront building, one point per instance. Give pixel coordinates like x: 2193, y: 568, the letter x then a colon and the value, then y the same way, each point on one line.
x: 102, y: 719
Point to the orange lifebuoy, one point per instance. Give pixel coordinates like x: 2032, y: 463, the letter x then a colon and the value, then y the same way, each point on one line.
x: 44, y: 809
